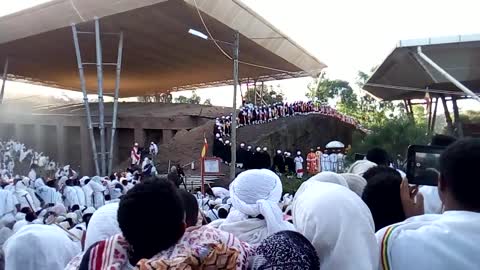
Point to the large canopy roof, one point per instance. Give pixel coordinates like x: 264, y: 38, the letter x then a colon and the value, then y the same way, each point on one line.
x: 405, y: 75
x: 159, y: 55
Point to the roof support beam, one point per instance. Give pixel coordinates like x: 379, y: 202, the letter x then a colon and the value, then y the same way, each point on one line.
x: 4, y: 80
x: 446, y: 75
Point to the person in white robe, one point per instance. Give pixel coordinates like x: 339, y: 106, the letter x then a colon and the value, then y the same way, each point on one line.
x: 48, y: 194
x: 70, y: 195
x: 299, y: 165
x: 254, y: 193
x: 359, y: 167
x: 153, y: 149
x: 29, y: 184
x: 326, y: 164
x: 80, y: 195
x: 338, y: 224
x: 333, y: 158
x: 23, y: 197
x: 439, y: 241
x: 98, y: 191
x: 8, y: 209
x: 87, y: 190
x: 39, y: 247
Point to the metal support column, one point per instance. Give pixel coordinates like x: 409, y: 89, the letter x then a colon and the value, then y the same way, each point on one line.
x: 4, y: 78
x: 233, y: 164
x: 434, y: 117
x: 85, y: 98
x: 456, y: 116
x: 447, y: 76
x: 101, y: 112
x: 448, y: 118
x: 115, y: 104
x: 429, y: 114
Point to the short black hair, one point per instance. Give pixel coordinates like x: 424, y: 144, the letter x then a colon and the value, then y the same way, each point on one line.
x: 442, y: 140
x: 151, y: 217
x: 75, y: 207
x: 379, y: 156
x: 222, y: 213
x: 382, y: 196
x: 459, y: 172
x: 191, y: 207
x: 378, y: 170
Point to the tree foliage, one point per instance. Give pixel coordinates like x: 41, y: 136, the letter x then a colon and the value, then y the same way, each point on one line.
x: 270, y: 94
x: 394, y: 135
x: 366, y: 109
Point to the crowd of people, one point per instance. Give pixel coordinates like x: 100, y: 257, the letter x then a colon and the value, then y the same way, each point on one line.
x: 282, y: 162
x: 250, y: 114
x: 367, y: 218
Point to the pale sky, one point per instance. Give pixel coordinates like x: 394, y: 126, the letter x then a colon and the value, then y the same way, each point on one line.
x: 347, y: 35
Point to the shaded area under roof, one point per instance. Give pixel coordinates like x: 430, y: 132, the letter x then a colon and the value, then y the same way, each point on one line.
x: 159, y: 55
x: 405, y: 75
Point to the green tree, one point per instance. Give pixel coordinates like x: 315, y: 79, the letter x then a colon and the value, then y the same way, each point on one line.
x: 394, y: 135
x: 269, y: 94
x: 366, y: 109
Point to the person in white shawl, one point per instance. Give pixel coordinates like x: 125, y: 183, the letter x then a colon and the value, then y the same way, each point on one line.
x: 87, y: 190
x: 255, y: 213
x: 39, y: 247
x: 8, y: 208
x: 439, y: 241
x: 98, y: 191
x: 338, y: 224
x: 70, y: 195
x: 80, y: 194
x: 359, y: 167
x: 23, y: 196
x: 48, y: 194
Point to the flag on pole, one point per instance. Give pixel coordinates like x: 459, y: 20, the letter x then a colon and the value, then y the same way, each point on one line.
x: 205, y: 147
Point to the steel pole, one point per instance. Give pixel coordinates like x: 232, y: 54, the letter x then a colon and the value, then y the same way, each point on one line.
x: 85, y: 99
x: 4, y: 77
x: 115, y: 103
x: 101, y: 112
x: 447, y: 76
x: 233, y: 164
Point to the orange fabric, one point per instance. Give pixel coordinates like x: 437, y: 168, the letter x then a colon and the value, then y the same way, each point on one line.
x: 312, y: 163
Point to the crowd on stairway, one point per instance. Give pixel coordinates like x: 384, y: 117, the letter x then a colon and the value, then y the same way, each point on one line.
x: 250, y: 114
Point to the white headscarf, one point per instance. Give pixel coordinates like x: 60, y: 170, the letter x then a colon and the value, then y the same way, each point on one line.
x: 254, y: 193
x: 39, y: 247
x: 339, y: 225
x: 356, y: 183
x: 97, y: 188
x: 103, y: 224
x: 5, y: 233
x: 329, y: 177
x: 361, y: 166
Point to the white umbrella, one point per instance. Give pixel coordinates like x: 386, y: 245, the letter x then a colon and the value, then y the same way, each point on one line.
x: 335, y: 144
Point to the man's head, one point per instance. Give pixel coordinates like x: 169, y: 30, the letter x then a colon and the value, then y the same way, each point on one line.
x: 442, y: 140
x: 378, y: 156
x: 382, y: 196
x: 191, y: 207
x: 459, y: 179
x: 152, y: 217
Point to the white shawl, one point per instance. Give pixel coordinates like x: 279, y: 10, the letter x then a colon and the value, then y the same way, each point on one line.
x: 39, y: 247
x: 441, y: 242
x: 103, y: 224
x: 254, y: 193
x: 339, y: 225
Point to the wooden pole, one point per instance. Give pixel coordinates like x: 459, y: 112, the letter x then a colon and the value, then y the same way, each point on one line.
x: 202, y: 174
